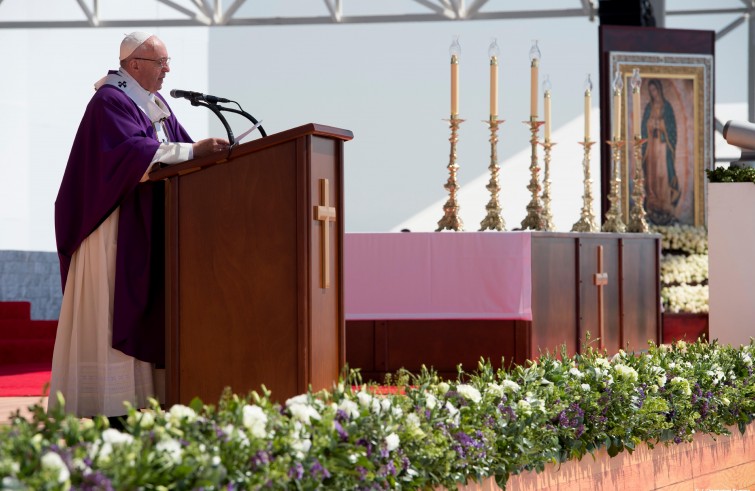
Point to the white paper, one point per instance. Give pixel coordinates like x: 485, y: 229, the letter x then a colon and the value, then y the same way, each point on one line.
x: 242, y: 135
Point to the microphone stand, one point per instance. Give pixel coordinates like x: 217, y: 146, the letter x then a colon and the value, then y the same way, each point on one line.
x: 216, y: 108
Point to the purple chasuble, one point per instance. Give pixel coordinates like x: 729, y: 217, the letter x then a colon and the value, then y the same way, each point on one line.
x: 113, y: 148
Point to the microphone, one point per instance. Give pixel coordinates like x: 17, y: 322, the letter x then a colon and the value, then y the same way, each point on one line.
x: 187, y: 94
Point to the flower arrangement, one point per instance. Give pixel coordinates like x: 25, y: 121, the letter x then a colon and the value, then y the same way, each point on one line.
x: 430, y: 433
x: 692, y: 269
x: 682, y: 239
x: 684, y: 268
x: 685, y: 298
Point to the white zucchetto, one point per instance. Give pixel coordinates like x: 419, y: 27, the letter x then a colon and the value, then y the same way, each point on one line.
x: 131, y: 42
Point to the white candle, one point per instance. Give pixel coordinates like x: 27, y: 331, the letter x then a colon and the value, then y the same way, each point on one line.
x: 636, y: 112
x: 636, y: 85
x: 454, y: 85
x: 618, y: 84
x: 455, y: 52
x: 533, y: 89
x: 493, y: 87
x: 534, y: 64
x: 616, y: 114
x: 587, y: 115
x: 547, y: 113
x: 493, y: 53
x: 588, y: 106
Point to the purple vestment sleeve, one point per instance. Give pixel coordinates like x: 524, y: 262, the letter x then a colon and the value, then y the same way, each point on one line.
x: 113, y: 148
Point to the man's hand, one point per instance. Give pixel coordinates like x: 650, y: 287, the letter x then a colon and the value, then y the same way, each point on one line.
x: 209, y: 145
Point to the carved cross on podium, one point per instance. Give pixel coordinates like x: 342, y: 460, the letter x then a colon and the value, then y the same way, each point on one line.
x: 600, y: 279
x: 325, y: 214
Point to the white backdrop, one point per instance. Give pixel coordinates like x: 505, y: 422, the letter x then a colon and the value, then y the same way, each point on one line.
x: 388, y: 83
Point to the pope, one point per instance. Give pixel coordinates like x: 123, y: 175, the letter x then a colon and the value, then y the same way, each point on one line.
x: 110, y: 342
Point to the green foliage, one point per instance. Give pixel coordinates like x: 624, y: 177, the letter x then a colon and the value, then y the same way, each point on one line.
x: 427, y: 433
x: 733, y: 173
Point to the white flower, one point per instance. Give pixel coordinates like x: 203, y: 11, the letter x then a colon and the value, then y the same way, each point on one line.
x: 172, y: 448
x: 300, y: 399
x: 585, y: 387
x: 626, y: 372
x: 618, y: 356
x: 115, y: 437
x: 684, y: 238
x: 353, y: 458
x: 364, y: 399
x: 80, y: 466
x: 524, y: 407
x: 397, y: 412
x: 470, y: 393
x: 747, y: 359
x: 180, y: 412
x: 510, y: 385
x: 535, y: 404
x: 683, y: 384
x: 685, y: 298
x: 575, y: 371
x: 255, y: 419
x: 602, y: 362
x: 240, y: 436
x: 412, y: 420
x: 375, y: 407
x: 678, y: 269
x: 725, y: 401
x: 391, y: 442
x: 146, y: 420
x: 716, y: 374
x: 216, y: 461
x: 453, y: 413
x: 110, y: 438
x: 301, y: 446
x: 430, y: 401
x: 385, y: 405
x: 349, y: 407
x: 661, y: 380
x: 53, y: 462
x: 36, y: 441
x: 495, y: 389
x: 303, y: 412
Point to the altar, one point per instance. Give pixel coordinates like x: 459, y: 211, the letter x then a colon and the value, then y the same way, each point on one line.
x: 441, y: 299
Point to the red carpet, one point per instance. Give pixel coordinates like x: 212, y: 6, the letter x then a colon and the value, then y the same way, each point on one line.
x: 24, y: 380
x: 25, y: 351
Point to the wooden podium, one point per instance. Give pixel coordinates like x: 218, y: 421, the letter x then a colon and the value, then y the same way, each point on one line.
x: 254, y: 290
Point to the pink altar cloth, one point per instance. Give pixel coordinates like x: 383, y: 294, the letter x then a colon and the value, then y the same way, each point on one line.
x: 451, y: 275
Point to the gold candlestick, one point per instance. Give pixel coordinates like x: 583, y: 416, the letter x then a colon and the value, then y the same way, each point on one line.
x: 493, y: 220
x: 451, y: 219
x: 534, y: 219
x: 613, y: 221
x: 637, y: 222
x: 586, y: 222
x: 547, y: 216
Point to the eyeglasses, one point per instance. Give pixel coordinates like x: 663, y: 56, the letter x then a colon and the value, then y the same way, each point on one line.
x: 163, y: 62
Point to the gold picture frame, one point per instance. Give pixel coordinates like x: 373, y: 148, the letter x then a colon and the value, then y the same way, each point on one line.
x: 676, y: 126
